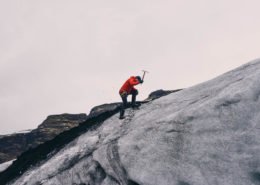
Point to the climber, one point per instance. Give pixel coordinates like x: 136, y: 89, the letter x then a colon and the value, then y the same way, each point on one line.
x: 127, y: 89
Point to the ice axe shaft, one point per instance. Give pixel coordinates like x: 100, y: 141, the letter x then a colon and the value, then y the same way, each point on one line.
x: 144, y: 74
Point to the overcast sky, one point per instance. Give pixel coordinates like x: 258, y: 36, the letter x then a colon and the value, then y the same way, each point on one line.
x: 61, y: 56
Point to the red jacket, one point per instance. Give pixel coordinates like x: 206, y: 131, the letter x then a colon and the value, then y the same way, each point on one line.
x: 129, y: 85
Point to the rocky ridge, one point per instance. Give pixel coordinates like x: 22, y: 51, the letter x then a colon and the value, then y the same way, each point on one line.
x: 14, y: 144
x: 205, y: 134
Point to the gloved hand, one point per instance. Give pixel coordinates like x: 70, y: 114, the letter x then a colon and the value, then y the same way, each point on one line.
x: 141, y: 81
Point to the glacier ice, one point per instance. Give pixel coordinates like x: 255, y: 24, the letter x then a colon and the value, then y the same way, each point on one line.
x: 205, y: 134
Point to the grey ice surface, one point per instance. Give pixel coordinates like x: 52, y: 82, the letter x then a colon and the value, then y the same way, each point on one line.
x: 208, y: 134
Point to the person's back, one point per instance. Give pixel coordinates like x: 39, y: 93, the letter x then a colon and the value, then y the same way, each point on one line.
x: 129, y: 84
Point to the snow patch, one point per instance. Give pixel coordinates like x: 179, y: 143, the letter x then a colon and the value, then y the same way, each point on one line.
x: 5, y: 165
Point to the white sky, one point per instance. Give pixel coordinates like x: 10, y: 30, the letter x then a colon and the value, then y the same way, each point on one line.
x: 61, y: 56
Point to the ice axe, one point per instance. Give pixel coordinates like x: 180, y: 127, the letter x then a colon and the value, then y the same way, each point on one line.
x: 144, y: 74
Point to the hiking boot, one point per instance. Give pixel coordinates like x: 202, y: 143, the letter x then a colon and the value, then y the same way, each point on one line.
x: 121, y: 117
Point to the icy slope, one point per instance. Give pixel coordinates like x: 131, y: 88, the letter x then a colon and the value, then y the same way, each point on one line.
x: 208, y: 134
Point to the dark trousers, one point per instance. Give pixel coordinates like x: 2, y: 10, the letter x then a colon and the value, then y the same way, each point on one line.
x: 124, y: 95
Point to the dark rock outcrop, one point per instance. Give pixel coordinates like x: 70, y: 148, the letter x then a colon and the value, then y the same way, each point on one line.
x: 13, y: 145
x: 160, y: 93
x: 103, y: 108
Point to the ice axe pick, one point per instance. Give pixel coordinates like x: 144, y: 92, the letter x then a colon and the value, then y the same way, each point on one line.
x: 144, y: 74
